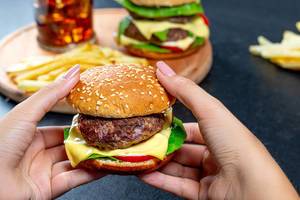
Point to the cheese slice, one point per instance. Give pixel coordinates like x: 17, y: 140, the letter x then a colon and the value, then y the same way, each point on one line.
x: 197, y: 26
x: 77, y: 149
x: 182, y: 44
x: 124, y: 40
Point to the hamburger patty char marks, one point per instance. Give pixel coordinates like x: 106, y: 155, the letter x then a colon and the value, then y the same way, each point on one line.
x: 109, y: 134
x: 174, y: 34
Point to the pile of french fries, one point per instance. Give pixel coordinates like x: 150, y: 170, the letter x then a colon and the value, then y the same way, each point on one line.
x: 286, y: 54
x: 34, y: 73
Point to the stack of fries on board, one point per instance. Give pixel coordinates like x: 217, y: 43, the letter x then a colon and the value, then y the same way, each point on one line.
x: 37, y: 72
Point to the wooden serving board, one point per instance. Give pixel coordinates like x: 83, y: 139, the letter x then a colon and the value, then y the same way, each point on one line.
x: 22, y: 43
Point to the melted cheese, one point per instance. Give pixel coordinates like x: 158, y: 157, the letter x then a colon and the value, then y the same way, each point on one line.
x: 124, y: 40
x: 196, y: 26
x: 77, y: 149
x: 182, y: 44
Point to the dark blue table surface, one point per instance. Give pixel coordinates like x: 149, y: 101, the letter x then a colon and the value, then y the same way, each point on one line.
x: 262, y: 96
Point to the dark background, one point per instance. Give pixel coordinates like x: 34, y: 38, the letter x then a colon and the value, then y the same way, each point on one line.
x: 265, y: 98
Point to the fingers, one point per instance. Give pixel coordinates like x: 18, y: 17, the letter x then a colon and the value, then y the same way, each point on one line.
x: 66, y: 181
x: 182, y: 187
x: 57, y: 154
x: 193, y: 133
x: 190, y: 155
x: 176, y: 169
x: 35, y: 107
x: 52, y: 136
x: 209, y: 165
x: 61, y: 167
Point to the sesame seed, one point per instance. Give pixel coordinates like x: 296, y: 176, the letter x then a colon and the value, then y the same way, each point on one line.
x: 88, y: 99
x: 151, y: 106
x: 126, y: 105
x: 113, y: 95
x: 81, y: 98
x: 142, y: 92
x: 121, y: 86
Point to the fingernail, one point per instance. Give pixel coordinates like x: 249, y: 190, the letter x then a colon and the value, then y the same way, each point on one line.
x: 72, y: 72
x: 165, y: 69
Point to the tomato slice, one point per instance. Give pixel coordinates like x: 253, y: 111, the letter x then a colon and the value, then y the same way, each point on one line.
x: 206, y: 20
x: 173, y: 49
x: 134, y: 158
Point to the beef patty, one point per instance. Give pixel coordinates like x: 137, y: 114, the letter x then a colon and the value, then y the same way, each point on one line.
x: 109, y: 134
x: 174, y: 34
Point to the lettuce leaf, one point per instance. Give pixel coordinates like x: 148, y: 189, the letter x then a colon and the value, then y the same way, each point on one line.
x: 198, y: 41
x: 177, y: 137
x: 151, y: 47
x: 162, y: 12
x: 123, y: 26
x: 162, y: 35
x: 66, y: 133
x: 98, y: 156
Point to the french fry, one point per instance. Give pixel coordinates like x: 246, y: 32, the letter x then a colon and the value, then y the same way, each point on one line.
x: 32, y: 85
x: 263, y: 41
x: 298, y: 26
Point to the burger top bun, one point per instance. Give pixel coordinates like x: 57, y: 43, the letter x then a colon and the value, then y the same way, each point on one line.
x: 158, y: 3
x: 119, y: 91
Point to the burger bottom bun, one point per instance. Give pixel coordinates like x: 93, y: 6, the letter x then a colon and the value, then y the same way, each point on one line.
x: 160, y: 56
x: 126, y: 168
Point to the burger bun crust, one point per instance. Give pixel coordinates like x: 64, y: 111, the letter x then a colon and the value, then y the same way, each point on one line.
x: 119, y: 91
x: 125, y: 167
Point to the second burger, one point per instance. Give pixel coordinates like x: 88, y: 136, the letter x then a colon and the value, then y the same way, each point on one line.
x: 163, y: 29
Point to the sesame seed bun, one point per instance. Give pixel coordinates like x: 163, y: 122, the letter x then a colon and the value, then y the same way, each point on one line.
x: 125, y: 167
x: 119, y: 91
x: 159, y: 56
x: 157, y: 3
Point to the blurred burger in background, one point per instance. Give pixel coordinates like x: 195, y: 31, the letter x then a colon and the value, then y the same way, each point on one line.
x: 163, y: 29
x: 125, y: 122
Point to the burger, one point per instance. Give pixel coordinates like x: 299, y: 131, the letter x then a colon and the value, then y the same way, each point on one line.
x: 124, y: 122
x: 163, y: 29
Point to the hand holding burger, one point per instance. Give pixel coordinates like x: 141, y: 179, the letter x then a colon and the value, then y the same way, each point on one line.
x: 222, y: 158
x: 34, y: 164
